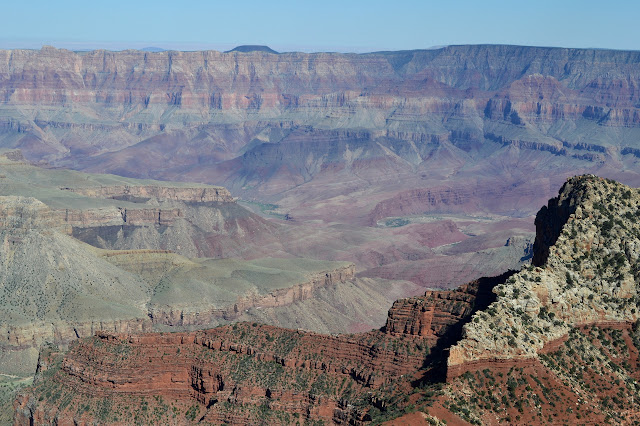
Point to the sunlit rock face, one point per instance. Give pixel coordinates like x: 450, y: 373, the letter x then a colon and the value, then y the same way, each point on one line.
x: 462, y: 128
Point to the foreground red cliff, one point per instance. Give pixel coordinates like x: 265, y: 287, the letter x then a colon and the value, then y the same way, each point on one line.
x: 249, y: 372
x: 239, y: 374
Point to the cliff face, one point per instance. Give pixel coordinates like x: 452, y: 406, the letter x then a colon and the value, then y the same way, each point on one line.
x: 228, y: 371
x: 161, y: 193
x: 439, y: 315
x: 138, y: 78
x: 285, y: 126
x: 583, y: 272
x: 194, y: 229
x: 293, y: 375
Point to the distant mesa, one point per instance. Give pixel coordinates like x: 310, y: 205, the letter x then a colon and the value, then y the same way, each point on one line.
x: 252, y: 48
x: 153, y: 49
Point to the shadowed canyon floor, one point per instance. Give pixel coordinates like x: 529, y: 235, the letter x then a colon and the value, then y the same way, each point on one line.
x: 556, y: 342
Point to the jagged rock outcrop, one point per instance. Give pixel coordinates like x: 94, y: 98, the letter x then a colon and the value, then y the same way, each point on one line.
x: 82, y: 221
x: 439, y: 315
x: 584, y: 271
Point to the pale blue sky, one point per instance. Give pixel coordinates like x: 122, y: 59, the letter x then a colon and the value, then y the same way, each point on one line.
x: 345, y: 25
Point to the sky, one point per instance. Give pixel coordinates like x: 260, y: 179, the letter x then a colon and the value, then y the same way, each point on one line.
x: 321, y: 25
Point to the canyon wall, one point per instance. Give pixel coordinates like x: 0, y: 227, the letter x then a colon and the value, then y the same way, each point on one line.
x: 286, y: 127
x: 161, y: 193
x: 439, y: 315
x: 308, y: 376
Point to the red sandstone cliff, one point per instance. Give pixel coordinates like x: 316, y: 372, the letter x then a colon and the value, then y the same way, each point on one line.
x: 308, y: 376
x: 201, y: 368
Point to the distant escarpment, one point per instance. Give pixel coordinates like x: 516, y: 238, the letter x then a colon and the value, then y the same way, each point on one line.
x: 144, y: 193
x: 286, y: 127
x: 194, y: 314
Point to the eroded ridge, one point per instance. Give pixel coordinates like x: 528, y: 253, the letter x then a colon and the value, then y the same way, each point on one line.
x: 585, y: 271
x: 244, y: 373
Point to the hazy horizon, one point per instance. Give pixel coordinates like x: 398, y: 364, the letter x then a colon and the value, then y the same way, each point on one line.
x: 227, y: 47
x: 356, y: 26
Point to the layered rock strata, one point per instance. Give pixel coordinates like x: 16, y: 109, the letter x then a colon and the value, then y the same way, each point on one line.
x: 440, y: 314
x: 293, y: 374
x: 202, y: 194
x: 284, y: 127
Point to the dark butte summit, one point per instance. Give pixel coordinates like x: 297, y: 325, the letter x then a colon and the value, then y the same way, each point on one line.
x: 252, y: 48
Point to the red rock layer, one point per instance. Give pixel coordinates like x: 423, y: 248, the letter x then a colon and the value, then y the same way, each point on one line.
x: 120, y: 216
x: 205, y: 368
x: 440, y: 314
x: 431, y: 315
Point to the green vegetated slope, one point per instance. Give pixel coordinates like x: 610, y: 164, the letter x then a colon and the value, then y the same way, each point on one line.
x: 201, y: 284
x: 47, y: 275
x: 9, y: 385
